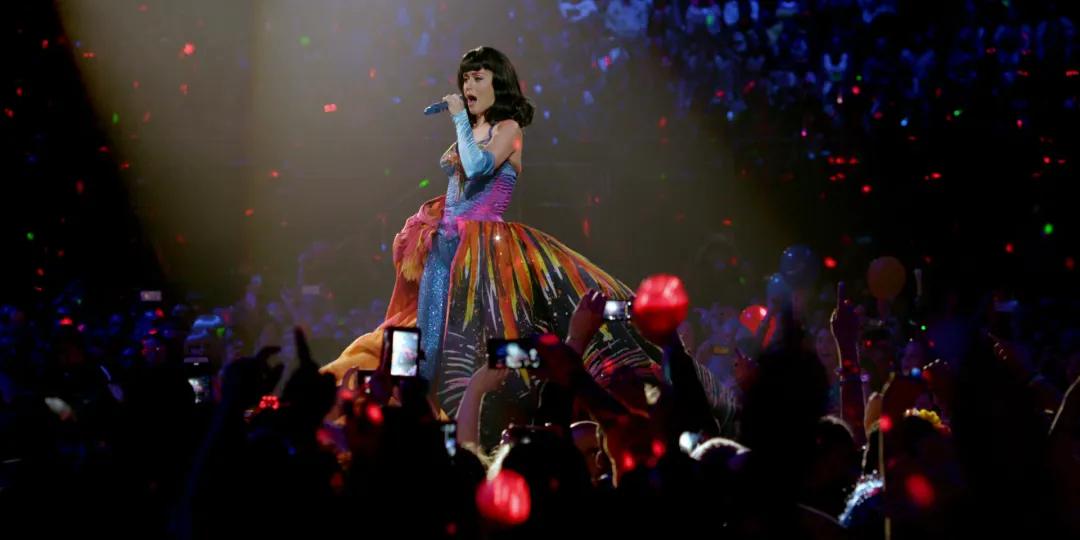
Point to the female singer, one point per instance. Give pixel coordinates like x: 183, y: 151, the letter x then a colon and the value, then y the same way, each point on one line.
x: 464, y: 275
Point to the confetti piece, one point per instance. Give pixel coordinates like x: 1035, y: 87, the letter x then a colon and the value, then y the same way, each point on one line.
x: 274, y: 174
x: 330, y: 107
x: 1048, y: 229
x: 424, y: 182
x: 249, y: 212
x: 830, y: 263
x: 305, y: 41
x: 30, y: 236
x: 1010, y: 248
x: 184, y: 88
x: 115, y: 118
x: 867, y: 188
x: 189, y: 49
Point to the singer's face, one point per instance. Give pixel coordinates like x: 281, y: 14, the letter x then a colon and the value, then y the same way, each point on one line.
x: 479, y: 94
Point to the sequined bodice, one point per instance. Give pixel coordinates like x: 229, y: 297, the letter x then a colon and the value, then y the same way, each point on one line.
x: 479, y: 199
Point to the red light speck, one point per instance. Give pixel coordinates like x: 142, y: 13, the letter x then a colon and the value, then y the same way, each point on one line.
x: 919, y: 490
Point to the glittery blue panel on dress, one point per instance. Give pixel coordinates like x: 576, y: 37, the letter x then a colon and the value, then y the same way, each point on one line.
x: 431, y: 307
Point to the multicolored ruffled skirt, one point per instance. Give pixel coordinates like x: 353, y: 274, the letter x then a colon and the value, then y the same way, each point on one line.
x: 506, y: 280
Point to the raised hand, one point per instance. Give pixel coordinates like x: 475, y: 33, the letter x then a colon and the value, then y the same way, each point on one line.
x: 844, y: 322
x: 454, y: 103
x: 844, y: 325
x: 586, y: 321
x: 245, y: 380
x: 307, y: 389
x: 486, y: 380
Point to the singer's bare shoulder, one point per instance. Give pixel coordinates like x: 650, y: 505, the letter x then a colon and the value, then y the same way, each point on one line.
x: 506, y: 142
x: 507, y: 126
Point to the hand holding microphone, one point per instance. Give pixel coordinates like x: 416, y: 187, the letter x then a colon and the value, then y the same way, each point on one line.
x: 451, y: 102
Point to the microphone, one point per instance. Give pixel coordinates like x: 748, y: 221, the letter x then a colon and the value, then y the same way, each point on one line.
x: 436, y: 108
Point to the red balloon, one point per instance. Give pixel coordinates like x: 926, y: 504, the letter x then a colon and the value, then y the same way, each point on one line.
x: 505, y: 498
x: 752, y: 316
x: 660, y: 306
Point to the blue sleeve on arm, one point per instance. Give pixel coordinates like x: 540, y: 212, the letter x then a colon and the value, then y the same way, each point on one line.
x: 475, y: 161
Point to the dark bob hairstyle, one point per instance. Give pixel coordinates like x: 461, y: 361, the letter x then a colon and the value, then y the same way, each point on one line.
x: 510, y: 103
